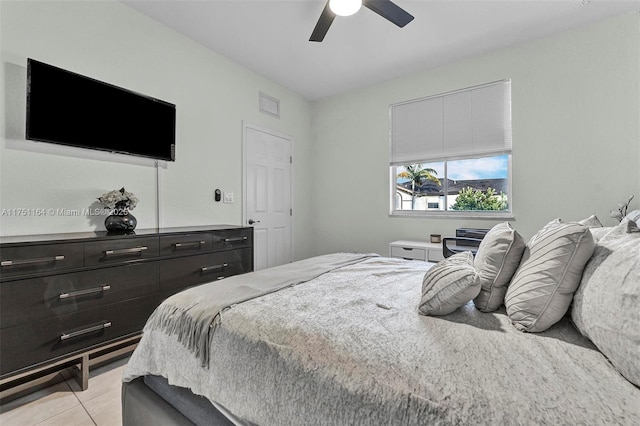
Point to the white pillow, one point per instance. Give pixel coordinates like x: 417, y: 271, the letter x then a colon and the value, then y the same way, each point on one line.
x: 497, y: 259
x: 591, y: 221
x: 606, y: 307
x: 542, y: 288
x: 599, y: 233
x: 448, y: 285
x: 634, y: 216
x: 595, y: 226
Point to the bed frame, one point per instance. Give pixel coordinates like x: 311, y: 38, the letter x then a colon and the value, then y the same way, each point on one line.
x: 142, y: 405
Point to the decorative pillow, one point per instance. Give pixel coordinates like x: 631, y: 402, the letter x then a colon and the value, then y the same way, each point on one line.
x: 606, y: 306
x: 497, y: 259
x: 599, y: 233
x: 549, y: 274
x: 448, y: 285
x: 591, y: 221
x: 634, y: 216
x: 631, y: 225
x: 595, y: 226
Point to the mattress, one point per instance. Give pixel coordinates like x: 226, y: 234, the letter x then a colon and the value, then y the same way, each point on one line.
x: 349, y: 348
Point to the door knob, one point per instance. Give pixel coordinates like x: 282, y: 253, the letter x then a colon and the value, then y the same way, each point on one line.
x: 251, y: 221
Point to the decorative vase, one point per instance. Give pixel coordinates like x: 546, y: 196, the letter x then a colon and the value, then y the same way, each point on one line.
x: 120, y: 222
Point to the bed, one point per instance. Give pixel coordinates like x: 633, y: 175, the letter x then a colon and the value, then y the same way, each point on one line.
x: 340, y: 339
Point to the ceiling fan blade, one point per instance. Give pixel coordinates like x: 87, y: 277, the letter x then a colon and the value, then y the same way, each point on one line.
x: 326, y: 18
x: 389, y: 11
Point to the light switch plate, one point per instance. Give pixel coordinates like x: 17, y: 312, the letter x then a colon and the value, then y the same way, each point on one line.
x: 228, y: 197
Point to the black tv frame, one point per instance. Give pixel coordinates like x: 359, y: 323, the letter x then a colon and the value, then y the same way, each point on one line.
x: 75, y: 110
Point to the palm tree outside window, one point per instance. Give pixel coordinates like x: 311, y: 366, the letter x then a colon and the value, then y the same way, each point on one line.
x: 417, y: 174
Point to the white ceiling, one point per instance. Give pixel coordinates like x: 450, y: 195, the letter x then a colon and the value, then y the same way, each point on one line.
x: 271, y: 37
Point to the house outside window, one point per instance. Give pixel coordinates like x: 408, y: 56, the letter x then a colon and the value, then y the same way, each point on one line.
x: 450, y: 154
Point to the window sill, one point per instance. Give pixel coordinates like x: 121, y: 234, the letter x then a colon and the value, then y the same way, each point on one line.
x: 451, y: 215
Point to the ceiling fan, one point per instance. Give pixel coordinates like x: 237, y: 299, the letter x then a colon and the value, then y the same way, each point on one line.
x: 333, y: 8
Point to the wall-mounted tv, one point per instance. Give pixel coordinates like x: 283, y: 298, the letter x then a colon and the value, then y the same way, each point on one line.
x: 70, y: 109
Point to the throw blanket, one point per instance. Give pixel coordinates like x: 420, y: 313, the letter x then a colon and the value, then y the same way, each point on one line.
x: 194, y: 314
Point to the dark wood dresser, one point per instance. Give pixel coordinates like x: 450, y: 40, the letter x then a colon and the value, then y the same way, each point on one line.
x: 74, y: 300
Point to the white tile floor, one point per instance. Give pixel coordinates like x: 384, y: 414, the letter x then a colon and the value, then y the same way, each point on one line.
x: 65, y: 404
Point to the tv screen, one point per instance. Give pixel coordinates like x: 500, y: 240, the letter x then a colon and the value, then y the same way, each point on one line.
x: 70, y: 109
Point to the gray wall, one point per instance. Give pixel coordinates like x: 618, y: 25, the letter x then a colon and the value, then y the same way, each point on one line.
x: 576, y: 130
x: 112, y: 42
x: 576, y: 137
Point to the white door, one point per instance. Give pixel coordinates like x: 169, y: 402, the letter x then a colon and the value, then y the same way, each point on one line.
x: 267, y: 194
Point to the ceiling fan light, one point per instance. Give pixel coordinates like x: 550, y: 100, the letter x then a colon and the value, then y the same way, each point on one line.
x: 345, y: 7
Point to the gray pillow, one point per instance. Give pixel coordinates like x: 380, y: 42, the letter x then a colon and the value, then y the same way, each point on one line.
x: 595, y: 226
x: 634, y: 216
x: 542, y: 288
x: 591, y: 221
x: 599, y: 233
x: 497, y: 259
x: 605, y: 307
x: 448, y: 285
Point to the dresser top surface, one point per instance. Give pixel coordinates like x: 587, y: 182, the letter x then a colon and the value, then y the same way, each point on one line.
x: 85, y: 236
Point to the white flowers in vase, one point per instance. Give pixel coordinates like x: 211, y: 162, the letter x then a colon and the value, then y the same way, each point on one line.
x: 119, y: 200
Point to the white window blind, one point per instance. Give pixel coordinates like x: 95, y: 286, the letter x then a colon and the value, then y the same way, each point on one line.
x: 473, y: 121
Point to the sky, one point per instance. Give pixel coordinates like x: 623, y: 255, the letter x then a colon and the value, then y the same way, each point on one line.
x: 479, y: 168
x: 475, y: 168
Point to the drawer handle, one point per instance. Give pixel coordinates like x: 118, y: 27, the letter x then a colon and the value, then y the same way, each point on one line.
x: 194, y: 244
x: 71, y: 335
x: 126, y: 251
x: 31, y: 261
x: 235, y: 240
x: 407, y: 248
x: 84, y: 292
x: 214, y: 268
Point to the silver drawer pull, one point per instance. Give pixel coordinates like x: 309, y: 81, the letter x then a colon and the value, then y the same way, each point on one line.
x: 84, y: 292
x: 67, y: 336
x: 214, y: 268
x: 220, y: 278
x: 196, y: 244
x: 133, y: 250
x: 31, y: 261
x: 234, y: 240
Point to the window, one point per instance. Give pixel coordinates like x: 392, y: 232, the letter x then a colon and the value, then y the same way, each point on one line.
x: 451, y: 154
x: 473, y: 184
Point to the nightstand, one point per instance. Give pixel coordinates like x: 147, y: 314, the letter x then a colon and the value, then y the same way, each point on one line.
x: 418, y: 250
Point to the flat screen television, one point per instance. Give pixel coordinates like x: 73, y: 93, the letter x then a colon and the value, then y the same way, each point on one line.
x: 70, y: 109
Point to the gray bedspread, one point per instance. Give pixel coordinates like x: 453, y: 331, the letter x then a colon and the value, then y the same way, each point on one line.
x: 349, y: 348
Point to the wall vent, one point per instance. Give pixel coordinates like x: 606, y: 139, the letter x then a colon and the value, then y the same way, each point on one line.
x: 269, y: 105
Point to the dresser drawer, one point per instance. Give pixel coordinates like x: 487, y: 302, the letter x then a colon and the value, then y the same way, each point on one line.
x: 232, y: 238
x: 32, y: 259
x: 120, y: 250
x: 186, y: 243
x: 409, y: 253
x: 45, y: 297
x: 179, y: 273
x: 41, y: 341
